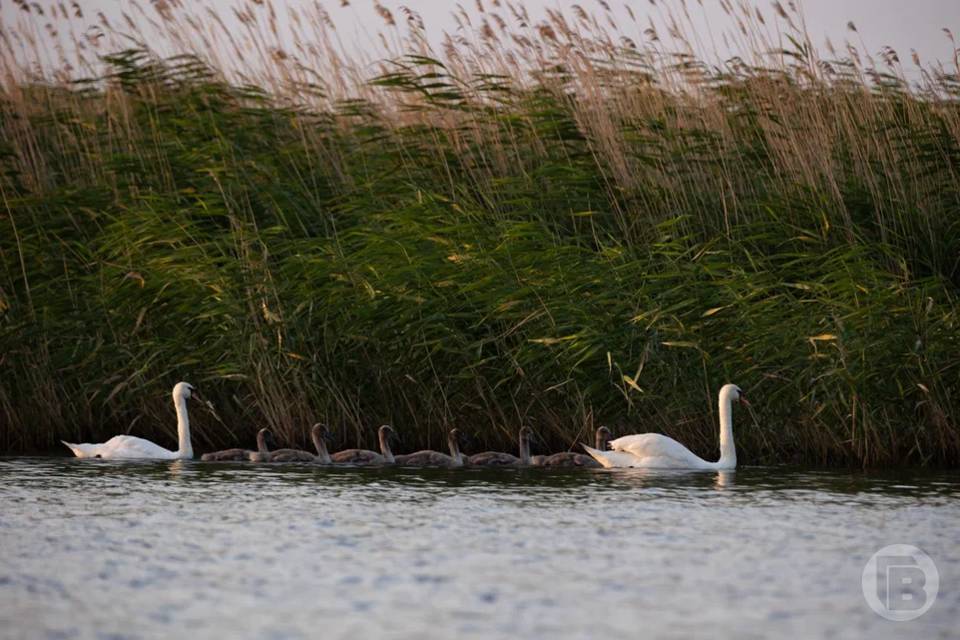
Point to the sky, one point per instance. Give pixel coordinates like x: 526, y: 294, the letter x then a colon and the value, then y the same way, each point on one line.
x: 904, y: 25
x: 901, y: 24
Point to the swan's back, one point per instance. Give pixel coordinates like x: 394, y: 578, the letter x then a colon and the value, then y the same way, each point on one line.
x: 493, y: 459
x: 427, y: 458
x: 226, y: 455
x: 569, y: 459
x: 122, y: 448
x: 655, y: 450
x: 291, y: 455
x: 357, y: 456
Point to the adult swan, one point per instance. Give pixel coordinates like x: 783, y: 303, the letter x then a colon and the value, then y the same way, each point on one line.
x: 132, y: 447
x: 657, y: 451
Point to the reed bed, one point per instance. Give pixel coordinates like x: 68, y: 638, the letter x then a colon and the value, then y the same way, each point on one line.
x: 550, y: 223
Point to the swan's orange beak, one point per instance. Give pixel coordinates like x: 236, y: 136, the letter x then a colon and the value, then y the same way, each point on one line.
x: 743, y: 400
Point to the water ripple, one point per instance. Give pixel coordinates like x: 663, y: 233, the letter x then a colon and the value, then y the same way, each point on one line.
x: 100, y: 549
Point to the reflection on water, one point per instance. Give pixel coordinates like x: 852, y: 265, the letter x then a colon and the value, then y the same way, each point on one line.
x: 93, y: 549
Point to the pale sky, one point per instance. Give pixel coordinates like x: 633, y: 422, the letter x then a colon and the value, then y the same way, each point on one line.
x: 901, y: 24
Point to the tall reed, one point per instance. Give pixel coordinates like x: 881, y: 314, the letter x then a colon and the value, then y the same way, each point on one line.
x: 544, y: 223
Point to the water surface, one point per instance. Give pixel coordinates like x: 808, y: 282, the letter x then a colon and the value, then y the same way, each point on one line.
x: 99, y: 549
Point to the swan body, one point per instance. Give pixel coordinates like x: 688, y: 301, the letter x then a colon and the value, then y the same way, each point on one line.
x: 657, y: 451
x: 317, y: 433
x: 239, y: 455
x: 500, y: 459
x: 365, y: 456
x: 429, y: 458
x: 134, y: 448
x: 290, y: 455
x: 569, y: 459
x: 258, y: 456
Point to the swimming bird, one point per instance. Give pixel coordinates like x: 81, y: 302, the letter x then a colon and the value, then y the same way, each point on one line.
x: 317, y: 433
x: 258, y: 456
x: 573, y: 459
x: 657, y: 451
x: 429, y: 458
x: 365, y: 456
x: 237, y: 455
x: 500, y: 459
x: 134, y: 448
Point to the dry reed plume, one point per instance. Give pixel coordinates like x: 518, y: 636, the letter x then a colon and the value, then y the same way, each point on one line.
x: 558, y: 220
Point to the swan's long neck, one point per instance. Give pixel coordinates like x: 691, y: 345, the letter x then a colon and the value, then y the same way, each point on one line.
x: 728, y: 450
x: 524, y: 449
x: 454, y: 448
x: 385, y: 450
x: 184, y: 448
x: 321, y: 446
x: 600, y: 439
x: 262, y: 441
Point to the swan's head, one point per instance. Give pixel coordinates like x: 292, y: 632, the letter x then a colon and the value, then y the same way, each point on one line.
x: 183, y: 390
x: 320, y: 431
x: 734, y: 394
x: 265, y: 436
x: 387, y: 433
x: 454, y: 436
x: 526, y: 434
x: 604, y: 432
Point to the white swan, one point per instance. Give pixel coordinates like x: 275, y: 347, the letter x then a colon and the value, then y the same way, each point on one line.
x: 132, y: 447
x: 657, y: 451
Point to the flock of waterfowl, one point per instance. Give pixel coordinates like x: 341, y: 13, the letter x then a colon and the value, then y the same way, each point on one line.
x: 319, y: 434
x: 645, y: 450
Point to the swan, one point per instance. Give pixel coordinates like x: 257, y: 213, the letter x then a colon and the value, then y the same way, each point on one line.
x: 365, y: 456
x: 134, y: 448
x: 572, y: 459
x: 237, y: 455
x: 258, y: 456
x: 317, y: 433
x: 428, y: 458
x: 498, y: 459
x: 657, y: 451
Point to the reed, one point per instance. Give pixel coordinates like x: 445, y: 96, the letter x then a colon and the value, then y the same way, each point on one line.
x: 544, y: 223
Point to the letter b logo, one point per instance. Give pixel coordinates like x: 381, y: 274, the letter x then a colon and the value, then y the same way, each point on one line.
x: 900, y: 582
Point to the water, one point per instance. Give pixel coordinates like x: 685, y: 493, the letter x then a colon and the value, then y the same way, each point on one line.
x: 97, y: 549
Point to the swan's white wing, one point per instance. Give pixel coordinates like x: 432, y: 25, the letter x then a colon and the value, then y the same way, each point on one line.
x: 133, y: 447
x: 613, y: 459
x: 657, y: 450
x: 123, y: 447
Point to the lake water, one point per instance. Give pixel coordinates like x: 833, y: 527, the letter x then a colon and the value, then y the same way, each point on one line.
x: 98, y: 549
